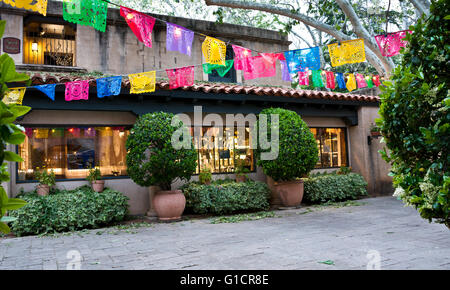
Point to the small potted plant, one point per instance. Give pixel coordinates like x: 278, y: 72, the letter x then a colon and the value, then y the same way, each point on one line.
x: 205, y: 176
x: 94, y: 177
x: 241, y: 171
x: 374, y: 130
x: 46, y: 180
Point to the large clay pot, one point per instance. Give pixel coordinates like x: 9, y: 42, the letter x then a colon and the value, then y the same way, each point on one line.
x: 98, y: 185
x: 169, y: 204
x: 42, y: 189
x: 241, y: 178
x: 290, y: 192
x: 275, y: 200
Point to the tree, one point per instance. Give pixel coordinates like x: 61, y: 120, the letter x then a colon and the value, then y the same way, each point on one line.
x: 415, y: 118
x: 350, y: 14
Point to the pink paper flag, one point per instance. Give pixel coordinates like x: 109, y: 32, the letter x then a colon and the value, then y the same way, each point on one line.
x: 361, y: 81
x: 241, y: 56
x: 181, y: 77
x: 303, y: 78
x: 391, y: 43
x: 77, y: 90
x: 331, y: 84
x: 259, y: 67
x: 141, y: 24
x: 376, y: 80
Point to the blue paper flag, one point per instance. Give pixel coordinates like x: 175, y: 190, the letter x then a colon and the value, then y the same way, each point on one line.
x: 303, y: 59
x: 340, y: 80
x: 49, y: 90
x: 109, y: 86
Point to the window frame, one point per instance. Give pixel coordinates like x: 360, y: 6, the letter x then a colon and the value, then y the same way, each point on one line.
x: 346, y: 147
x: 127, y: 127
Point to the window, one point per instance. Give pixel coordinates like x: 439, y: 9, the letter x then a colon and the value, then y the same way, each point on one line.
x: 222, y: 160
x: 332, y: 147
x: 230, y: 76
x: 70, y: 152
x: 49, y: 44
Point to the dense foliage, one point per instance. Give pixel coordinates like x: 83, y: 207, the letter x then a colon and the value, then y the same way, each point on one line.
x: 415, y: 121
x: 297, y: 151
x: 69, y: 210
x: 334, y: 187
x: 226, y: 197
x: 9, y: 132
x: 151, y: 157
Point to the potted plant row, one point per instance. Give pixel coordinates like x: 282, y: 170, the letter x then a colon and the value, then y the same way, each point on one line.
x: 94, y: 177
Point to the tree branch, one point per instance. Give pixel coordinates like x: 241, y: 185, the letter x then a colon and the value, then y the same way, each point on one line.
x: 421, y: 6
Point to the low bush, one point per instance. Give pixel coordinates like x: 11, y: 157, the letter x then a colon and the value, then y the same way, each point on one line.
x: 225, y: 198
x: 69, y: 210
x: 334, y: 187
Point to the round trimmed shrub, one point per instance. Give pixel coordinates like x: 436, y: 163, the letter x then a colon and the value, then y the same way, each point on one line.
x: 151, y: 158
x: 415, y: 117
x: 297, y: 150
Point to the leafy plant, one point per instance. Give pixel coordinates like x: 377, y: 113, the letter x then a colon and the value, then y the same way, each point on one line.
x: 415, y: 117
x: 344, y: 170
x: 226, y: 198
x: 374, y: 128
x: 243, y: 217
x: 205, y: 175
x: 334, y: 187
x: 151, y: 158
x: 298, y: 153
x: 94, y: 174
x: 44, y: 177
x: 9, y: 132
x: 69, y: 210
x: 241, y: 170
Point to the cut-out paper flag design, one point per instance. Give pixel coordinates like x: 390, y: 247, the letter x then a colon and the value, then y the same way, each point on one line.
x: 179, y: 38
x: 303, y: 78
x: 340, y: 80
x: 241, y: 56
x: 350, y: 51
x: 77, y: 90
x: 285, y: 75
x: 141, y: 24
x: 14, y: 96
x: 376, y: 80
x: 391, y: 43
x: 49, y: 90
x: 259, y: 67
x: 109, y: 86
x: 86, y: 12
x: 142, y: 82
x: 181, y: 77
x: 330, y: 80
x: 29, y: 132
x: 351, y: 83
x: 39, y: 6
x: 302, y: 59
x: 369, y: 82
x: 360, y: 81
x: 317, y: 78
x: 221, y: 69
x: 214, y: 50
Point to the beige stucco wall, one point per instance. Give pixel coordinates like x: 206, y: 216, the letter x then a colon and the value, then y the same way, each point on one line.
x: 13, y: 28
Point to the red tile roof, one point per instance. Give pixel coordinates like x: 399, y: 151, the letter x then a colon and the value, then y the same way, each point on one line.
x: 39, y: 79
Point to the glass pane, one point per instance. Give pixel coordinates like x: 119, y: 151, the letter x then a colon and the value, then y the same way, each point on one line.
x: 332, y: 147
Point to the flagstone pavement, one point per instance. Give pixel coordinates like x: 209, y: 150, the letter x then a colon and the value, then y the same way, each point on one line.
x: 380, y: 233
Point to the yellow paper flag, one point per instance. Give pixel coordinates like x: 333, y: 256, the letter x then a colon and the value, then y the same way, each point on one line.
x: 14, y: 96
x: 214, y: 50
x: 39, y: 6
x: 351, y: 82
x: 350, y: 51
x: 142, y: 82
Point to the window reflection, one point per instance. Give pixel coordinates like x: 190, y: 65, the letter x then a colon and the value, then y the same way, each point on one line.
x: 331, y: 143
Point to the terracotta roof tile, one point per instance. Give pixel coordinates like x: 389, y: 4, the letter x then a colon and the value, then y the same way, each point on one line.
x: 216, y: 88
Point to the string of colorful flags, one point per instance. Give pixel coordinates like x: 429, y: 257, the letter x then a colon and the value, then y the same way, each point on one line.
x: 305, y: 62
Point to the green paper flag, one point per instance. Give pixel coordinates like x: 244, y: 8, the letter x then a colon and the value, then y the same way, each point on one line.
x: 317, y: 79
x: 86, y: 12
x: 221, y: 69
x: 369, y: 82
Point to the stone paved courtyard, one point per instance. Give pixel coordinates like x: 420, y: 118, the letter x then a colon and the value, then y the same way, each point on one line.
x: 297, y: 240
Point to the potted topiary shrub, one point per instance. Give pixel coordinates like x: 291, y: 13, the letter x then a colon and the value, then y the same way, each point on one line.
x: 375, y: 131
x: 297, y: 154
x: 241, y: 171
x: 94, y: 177
x: 157, y: 157
x: 46, y: 180
x: 205, y: 176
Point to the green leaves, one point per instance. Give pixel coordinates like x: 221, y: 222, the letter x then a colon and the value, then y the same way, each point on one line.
x: 2, y: 27
x: 5, y: 205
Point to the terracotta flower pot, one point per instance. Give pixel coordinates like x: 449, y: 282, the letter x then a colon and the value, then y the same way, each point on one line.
x: 169, y: 204
x: 275, y: 200
x: 375, y: 133
x: 241, y: 178
x: 98, y: 185
x: 290, y: 192
x: 42, y: 189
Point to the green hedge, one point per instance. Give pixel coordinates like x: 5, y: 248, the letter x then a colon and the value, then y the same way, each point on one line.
x: 69, y: 210
x: 334, y: 187
x: 226, y: 198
